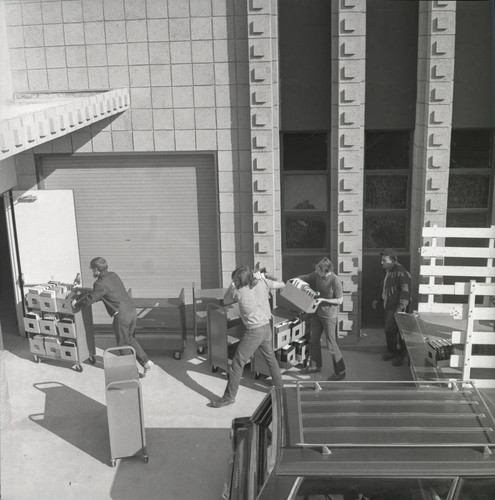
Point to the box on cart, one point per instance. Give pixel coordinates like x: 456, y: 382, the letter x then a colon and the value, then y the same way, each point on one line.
x: 48, y: 325
x: 37, y: 345
x: 48, y: 300
x: 438, y: 352
x: 298, y: 296
x: 281, y: 334
x: 301, y: 347
x: 68, y: 350
x: 33, y: 296
x: 297, y: 329
x: 287, y: 356
x: 66, y: 328
x: 52, y: 347
x: 32, y: 322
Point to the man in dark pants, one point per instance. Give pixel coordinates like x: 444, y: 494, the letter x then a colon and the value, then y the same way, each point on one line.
x: 394, y: 291
x: 109, y: 288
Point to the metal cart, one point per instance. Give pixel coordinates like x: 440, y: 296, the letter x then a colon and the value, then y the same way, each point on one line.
x: 124, y: 404
x: 201, y: 298
x: 225, y: 330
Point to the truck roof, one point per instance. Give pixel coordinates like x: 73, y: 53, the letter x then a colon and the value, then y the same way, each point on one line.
x: 386, y: 429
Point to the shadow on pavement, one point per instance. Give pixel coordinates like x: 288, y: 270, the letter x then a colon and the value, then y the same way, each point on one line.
x: 75, y: 418
x: 182, y: 462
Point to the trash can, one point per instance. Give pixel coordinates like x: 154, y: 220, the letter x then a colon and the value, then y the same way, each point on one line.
x: 124, y: 404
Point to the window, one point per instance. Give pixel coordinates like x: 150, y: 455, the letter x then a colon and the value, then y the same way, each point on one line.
x: 477, y: 489
x: 305, y: 188
x: 470, y: 178
x: 371, y: 489
x: 386, y: 189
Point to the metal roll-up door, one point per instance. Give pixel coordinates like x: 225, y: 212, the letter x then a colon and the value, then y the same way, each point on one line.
x: 154, y: 217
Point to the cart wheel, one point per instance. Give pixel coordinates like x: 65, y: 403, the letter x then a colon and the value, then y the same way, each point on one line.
x: 201, y: 350
x: 113, y: 462
x: 92, y: 360
x: 36, y: 359
x: 214, y: 369
x: 257, y: 376
x: 177, y: 355
x: 146, y: 459
x: 78, y: 368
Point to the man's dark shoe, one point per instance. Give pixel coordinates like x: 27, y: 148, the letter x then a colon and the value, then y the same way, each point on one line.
x: 337, y: 376
x: 398, y: 360
x: 388, y: 356
x: 310, y: 369
x: 223, y: 401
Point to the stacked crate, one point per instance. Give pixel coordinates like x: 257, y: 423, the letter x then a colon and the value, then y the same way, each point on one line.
x: 54, y: 329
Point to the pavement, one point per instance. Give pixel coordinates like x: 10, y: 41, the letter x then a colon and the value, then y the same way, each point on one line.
x: 57, y: 443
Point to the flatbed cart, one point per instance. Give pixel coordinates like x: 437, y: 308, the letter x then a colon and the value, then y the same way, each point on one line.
x: 124, y: 404
x: 160, y: 325
x: 162, y: 320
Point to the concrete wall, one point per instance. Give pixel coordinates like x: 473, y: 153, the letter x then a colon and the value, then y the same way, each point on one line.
x: 187, y: 66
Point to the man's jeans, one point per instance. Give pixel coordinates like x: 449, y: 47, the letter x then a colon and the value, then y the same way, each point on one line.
x: 329, y: 327
x: 259, y: 337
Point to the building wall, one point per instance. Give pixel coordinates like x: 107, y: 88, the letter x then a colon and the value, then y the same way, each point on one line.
x: 204, y: 76
x: 187, y: 65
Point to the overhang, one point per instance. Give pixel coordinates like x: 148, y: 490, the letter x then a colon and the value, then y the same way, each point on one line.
x: 32, y: 119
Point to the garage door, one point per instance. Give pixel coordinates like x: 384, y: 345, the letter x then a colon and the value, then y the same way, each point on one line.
x: 154, y: 218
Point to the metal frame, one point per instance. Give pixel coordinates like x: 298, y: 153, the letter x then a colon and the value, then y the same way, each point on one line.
x: 469, y: 422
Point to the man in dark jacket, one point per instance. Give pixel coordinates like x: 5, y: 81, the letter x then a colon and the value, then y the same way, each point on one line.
x: 394, y: 291
x: 109, y: 288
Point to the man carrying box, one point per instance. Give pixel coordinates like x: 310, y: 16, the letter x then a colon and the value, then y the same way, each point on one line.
x: 324, y: 281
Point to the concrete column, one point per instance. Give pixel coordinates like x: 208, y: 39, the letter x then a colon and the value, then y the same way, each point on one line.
x: 347, y: 153
x: 431, y: 149
x: 264, y: 120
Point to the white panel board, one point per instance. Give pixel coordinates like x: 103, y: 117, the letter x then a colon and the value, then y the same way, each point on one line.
x: 46, y: 230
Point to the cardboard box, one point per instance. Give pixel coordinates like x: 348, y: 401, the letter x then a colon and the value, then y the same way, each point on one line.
x: 52, y: 347
x: 48, y: 326
x: 66, y: 328
x: 48, y: 301
x: 37, y: 345
x: 31, y: 323
x: 302, y: 350
x: 287, y: 357
x: 438, y: 352
x: 297, y: 329
x: 68, y: 352
x: 281, y: 335
x: 296, y: 297
x: 33, y: 296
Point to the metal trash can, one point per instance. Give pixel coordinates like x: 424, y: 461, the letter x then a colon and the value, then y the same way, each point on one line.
x: 124, y: 404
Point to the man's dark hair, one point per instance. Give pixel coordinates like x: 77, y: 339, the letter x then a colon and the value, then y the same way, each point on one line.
x: 99, y: 263
x: 243, y: 276
x: 324, y: 265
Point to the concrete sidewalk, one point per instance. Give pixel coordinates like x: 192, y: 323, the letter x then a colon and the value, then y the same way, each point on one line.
x: 57, y: 445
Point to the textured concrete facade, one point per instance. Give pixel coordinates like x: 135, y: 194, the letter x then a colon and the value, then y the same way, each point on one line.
x: 204, y: 76
x: 264, y: 119
x: 431, y: 150
x: 347, y: 153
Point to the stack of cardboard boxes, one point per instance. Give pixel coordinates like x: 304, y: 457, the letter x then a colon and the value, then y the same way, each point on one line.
x: 295, y: 302
x: 50, y: 323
